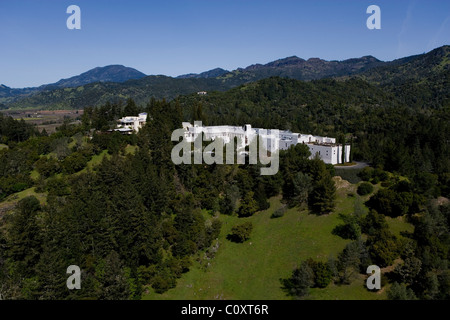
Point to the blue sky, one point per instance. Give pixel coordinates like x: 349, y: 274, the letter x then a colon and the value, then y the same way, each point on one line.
x: 174, y: 37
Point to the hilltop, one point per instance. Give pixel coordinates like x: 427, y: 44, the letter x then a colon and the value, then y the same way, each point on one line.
x: 111, y: 73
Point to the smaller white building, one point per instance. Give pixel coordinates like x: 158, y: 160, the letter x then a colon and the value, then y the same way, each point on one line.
x: 129, y: 124
x: 330, y: 153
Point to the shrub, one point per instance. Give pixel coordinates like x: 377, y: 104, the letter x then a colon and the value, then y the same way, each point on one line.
x: 74, y: 163
x: 365, y: 188
x: 366, y: 174
x: 20, y: 186
x: 393, y: 203
x: 350, y: 229
x: 241, y: 233
x: 248, y: 205
x: 383, y: 248
x: 301, y: 280
x: 279, y: 212
x: 163, y: 282
x: 400, y: 292
x: 47, y: 166
x: 380, y: 174
x: 323, y: 274
x: 375, y: 180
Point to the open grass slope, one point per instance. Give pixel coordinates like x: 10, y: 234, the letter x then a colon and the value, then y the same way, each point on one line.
x: 16, y: 197
x: 252, y: 270
x: 11, y: 201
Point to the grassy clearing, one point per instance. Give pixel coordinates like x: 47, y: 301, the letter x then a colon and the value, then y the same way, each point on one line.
x: 34, y: 175
x: 3, y: 146
x: 355, y: 291
x: 95, y: 161
x: 252, y: 270
x: 78, y: 139
x: 16, y: 197
x: 398, y: 225
x: 131, y: 149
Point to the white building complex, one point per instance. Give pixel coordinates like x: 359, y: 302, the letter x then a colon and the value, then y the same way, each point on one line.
x: 129, y: 124
x: 326, y: 148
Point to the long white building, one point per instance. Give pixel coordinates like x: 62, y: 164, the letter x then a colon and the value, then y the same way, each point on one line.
x: 325, y: 147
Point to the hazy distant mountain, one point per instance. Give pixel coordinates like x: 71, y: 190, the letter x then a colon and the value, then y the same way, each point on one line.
x: 314, y: 68
x: 214, y: 73
x: 112, y: 73
x: 300, y: 69
x: 6, y: 92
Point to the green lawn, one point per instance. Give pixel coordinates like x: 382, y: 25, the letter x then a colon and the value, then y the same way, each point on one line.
x: 355, y: 291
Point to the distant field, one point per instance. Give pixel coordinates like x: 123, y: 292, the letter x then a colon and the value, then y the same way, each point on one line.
x: 44, y: 119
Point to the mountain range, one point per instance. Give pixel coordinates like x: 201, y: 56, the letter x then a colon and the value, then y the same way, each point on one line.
x: 112, y: 73
x: 403, y: 76
x: 214, y: 73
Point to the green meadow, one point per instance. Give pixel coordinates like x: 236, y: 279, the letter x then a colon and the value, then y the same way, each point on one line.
x: 252, y: 270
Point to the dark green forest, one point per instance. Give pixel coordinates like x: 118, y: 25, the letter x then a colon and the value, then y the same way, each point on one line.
x: 381, y: 128
x: 137, y: 220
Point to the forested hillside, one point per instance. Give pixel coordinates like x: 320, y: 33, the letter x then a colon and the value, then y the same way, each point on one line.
x: 382, y: 129
x: 421, y: 82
